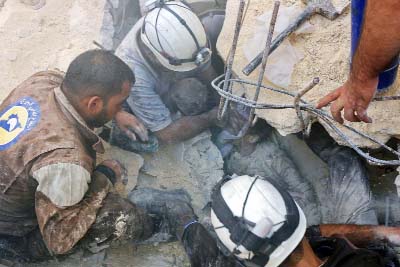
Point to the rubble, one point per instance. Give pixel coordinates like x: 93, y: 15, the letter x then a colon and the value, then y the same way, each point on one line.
x: 195, y: 166
x: 131, y: 161
x: 50, y: 36
x: 47, y: 37
x: 284, y: 58
x: 326, y: 54
x: 322, y: 178
x: 161, y: 255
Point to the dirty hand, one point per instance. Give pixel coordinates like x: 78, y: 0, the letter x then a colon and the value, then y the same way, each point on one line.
x: 131, y: 126
x: 213, y: 117
x: 237, y: 119
x: 232, y: 119
x: 118, y: 169
x: 353, y: 97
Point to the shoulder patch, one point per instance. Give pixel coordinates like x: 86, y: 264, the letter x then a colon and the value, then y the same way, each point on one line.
x: 18, y: 119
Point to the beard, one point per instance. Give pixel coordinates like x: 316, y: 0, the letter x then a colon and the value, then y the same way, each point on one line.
x: 99, y: 120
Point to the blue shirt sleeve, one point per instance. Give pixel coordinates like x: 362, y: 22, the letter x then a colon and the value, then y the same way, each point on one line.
x: 143, y: 100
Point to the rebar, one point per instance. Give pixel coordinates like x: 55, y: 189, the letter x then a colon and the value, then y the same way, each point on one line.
x: 239, y: 20
x: 297, y: 98
x: 226, y: 82
x: 305, y: 106
x: 265, y: 54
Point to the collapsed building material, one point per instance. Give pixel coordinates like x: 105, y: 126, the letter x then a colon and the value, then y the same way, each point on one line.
x: 326, y: 54
x: 324, y: 8
x: 229, y: 95
x: 195, y: 166
x: 223, y: 104
x: 329, y: 182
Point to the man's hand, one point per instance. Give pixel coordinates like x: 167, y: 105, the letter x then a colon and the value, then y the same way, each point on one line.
x: 116, y: 167
x: 378, y: 45
x: 353, y: 97
x: 232, y: 119
x: 131, y: 126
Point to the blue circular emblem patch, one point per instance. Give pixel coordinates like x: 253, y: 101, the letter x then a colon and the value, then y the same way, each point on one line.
x: 18, y: 119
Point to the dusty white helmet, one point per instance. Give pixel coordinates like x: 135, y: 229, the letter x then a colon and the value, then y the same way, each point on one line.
x: 175, y: 35
x: 256, y: 220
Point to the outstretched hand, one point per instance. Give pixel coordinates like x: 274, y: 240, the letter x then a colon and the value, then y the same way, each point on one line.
x: 353, y: 97
x: 131, y: 126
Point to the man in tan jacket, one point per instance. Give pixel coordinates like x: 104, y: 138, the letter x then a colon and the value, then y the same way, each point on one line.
x: 50, y: 187
x: 53, y: 196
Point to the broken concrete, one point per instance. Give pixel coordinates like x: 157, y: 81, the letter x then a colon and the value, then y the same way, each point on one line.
x: 48, y: 37
x: 132, y: 163
x: 195, y: 165
x: 326, y: 54
x: 129, y: 255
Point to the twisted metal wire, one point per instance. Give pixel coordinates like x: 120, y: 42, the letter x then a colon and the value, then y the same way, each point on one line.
x: 218, y: 83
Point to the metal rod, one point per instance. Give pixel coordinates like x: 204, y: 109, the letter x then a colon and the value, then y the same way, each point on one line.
x: 98, y: 45
x: 297, y: 98
x: 226, y: 101
x: 322, y: 115
x: 309, y: 11
x: 228, y: 73
x: 265, y: 54
x: 386, y: 98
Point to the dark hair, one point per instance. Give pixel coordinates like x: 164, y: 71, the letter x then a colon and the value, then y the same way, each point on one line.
x: 96, y: 72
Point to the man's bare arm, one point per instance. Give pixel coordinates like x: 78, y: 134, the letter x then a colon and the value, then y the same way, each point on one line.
x: 378, y: 45
x: 187, y: 127
x: 363, y: 234
x: 380, y: 39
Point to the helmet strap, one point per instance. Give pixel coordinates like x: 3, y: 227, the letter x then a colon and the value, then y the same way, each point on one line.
x: 198, y: 58
x: 239, y: 227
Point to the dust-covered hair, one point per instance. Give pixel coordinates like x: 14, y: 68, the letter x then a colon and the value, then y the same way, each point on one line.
x: 96, y: 72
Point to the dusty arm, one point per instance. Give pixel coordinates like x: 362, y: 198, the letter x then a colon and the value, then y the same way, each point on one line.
x: 363, y: 234
x: 187, y: 127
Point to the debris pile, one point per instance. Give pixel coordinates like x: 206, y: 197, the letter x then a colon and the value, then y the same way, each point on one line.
x: 319, y: 48
x: 325, y: 52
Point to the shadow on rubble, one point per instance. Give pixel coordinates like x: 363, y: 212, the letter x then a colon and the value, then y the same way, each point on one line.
x: 332, y: 183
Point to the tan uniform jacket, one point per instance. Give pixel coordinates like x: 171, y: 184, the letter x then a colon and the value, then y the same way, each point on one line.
x: 47, y: 157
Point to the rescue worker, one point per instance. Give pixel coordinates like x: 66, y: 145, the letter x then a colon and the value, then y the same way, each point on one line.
x: 166, y: 49
x: 51, y: 189
x: 52, y: 194
x: 258, y: 223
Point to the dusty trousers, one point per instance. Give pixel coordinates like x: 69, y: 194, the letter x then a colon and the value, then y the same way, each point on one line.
x: 202, y: 249
x: 118, y: 219
x: 173, y: 208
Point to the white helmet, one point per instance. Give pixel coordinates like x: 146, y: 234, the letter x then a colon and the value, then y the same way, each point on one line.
x: 256, y: 221
x: 175, y: 36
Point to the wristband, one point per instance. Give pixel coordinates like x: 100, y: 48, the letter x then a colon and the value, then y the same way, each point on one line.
x: 108, y: 172
x: 189, y: 224
x: 313, y: 231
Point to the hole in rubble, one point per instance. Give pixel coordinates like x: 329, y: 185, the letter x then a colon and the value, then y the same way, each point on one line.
x: 344, y: 187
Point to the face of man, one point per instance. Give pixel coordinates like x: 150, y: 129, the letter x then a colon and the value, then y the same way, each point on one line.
x: 110, y: 107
